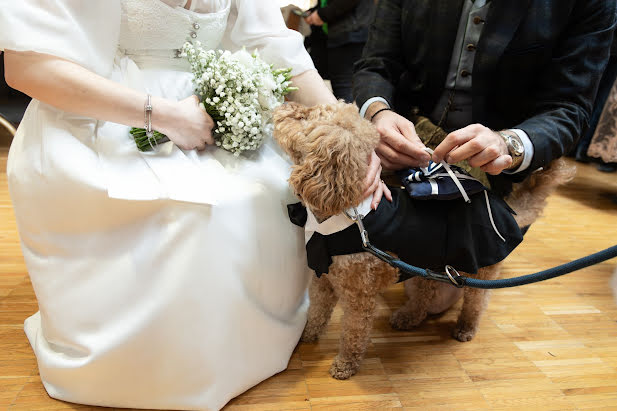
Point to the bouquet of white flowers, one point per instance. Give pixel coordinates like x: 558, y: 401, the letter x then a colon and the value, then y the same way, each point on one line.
x: 239, y: 91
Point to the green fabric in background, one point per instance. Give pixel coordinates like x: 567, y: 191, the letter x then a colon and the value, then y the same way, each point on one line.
x: 324, y: 3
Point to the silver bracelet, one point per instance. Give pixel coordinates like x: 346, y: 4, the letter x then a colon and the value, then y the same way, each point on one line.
x: 148, y: 117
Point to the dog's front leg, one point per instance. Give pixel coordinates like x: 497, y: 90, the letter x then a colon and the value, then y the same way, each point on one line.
x: 474, y: 303
x: 357, y: 322
x: 323, y: 299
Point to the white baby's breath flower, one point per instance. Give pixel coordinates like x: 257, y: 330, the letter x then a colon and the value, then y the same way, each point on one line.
x: 240, y: 91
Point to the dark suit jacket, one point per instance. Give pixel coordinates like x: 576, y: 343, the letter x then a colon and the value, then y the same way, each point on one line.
x: 537, y: 66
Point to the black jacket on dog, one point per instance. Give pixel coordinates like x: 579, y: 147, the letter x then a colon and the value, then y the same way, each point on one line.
x: 425, y: 233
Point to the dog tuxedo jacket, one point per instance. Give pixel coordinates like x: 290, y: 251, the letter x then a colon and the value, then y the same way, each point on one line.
x: 427, y: 233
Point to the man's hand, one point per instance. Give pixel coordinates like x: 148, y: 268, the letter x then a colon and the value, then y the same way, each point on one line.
x: 313, y: 19
x: 480, y: 145
x: 399, y: 146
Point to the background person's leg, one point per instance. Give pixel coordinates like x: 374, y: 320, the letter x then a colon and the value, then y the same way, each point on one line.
x: 340, y: 66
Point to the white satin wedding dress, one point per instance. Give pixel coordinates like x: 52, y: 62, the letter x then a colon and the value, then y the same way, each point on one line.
x: 170, y: 279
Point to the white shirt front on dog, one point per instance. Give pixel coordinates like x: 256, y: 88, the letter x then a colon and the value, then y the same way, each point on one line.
x: 335, y: 223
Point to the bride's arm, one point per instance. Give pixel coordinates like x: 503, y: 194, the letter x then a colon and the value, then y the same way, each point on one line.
x: 311, y: 89
x: 72, y: 88
x: 260, y: 25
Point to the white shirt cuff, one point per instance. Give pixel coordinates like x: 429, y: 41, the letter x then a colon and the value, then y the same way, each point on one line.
x: 527, y: 156
x: 371, y: 101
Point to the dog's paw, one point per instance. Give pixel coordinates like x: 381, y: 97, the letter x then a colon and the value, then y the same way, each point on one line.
x: 311, y: 332
x: 309, y: 336
x: 404, y: 320
x: 342, y: 370
x: 463, y: 334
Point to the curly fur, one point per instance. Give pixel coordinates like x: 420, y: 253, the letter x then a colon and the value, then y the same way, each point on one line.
x: 330, y: 134
x: 528, y: 198
x: 330, y: 146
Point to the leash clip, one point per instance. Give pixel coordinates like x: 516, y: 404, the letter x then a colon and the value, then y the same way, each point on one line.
x: 357, y: 218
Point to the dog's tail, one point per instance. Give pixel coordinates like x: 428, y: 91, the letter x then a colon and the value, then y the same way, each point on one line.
x: 528, y: 198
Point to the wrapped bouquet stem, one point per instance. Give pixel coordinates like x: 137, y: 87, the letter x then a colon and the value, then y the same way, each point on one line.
x: 238, y: 90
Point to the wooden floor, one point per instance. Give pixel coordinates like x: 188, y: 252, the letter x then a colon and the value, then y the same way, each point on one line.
x: 546, y: 346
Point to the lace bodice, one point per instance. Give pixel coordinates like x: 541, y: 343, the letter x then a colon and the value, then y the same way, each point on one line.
x: 141, y: 27
x: 93, y: 36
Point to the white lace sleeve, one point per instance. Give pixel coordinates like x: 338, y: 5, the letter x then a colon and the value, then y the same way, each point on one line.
x: 259, y: 24
x: 86, y: 34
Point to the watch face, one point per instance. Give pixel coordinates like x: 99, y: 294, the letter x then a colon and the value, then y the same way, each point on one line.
x: 517, y: 146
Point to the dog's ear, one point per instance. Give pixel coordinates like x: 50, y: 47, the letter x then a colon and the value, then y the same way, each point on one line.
x: 288, y: 129
x: 330, y: 177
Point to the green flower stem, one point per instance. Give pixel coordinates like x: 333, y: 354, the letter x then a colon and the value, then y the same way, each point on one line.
x: 143, y: 142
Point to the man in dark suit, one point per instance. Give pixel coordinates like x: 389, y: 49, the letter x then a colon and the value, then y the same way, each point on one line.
x: 513, y: 82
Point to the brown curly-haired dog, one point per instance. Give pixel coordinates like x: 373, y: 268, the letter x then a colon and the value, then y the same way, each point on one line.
x: 330, y: 146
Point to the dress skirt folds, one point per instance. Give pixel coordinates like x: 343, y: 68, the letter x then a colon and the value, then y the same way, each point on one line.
x: 171, y: 279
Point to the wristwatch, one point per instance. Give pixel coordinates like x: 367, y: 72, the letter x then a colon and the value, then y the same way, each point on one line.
x: 515, y: 148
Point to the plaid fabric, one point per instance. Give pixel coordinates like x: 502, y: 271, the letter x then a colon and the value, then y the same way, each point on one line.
x: 537, y: 66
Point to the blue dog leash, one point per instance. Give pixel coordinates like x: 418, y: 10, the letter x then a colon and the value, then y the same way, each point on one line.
x: 452, y: 276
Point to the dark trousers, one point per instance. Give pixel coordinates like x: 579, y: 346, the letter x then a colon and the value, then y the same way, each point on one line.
x: 334, y: 63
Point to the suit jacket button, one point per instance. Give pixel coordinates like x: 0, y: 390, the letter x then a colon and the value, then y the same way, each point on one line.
x: 465, y: 73
x: 478, y: 20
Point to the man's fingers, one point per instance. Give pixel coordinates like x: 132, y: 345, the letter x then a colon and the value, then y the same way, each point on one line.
x: 393, y: 160
x: 408, y: 130
x: 484, y: 157
x: 388, y: 165
x: 454, y: 139
x: 401, y: 144
x: 469, y: 149
x: 498, y: 165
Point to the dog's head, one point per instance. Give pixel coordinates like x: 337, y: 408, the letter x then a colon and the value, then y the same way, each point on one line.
x: 330, y: 146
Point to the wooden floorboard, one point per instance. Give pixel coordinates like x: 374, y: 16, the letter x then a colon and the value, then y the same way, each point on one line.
x: 548, y: 346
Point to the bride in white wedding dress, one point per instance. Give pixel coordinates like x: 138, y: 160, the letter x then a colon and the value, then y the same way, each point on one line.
x: 171, y: 279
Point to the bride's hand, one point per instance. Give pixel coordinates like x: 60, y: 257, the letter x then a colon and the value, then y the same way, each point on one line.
x: 373, y: 184
x: 190, y: 127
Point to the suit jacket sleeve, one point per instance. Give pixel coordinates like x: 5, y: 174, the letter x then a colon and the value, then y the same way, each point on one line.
x: 337, y: 10
x: 567, y: 87
x: 381, y: 64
